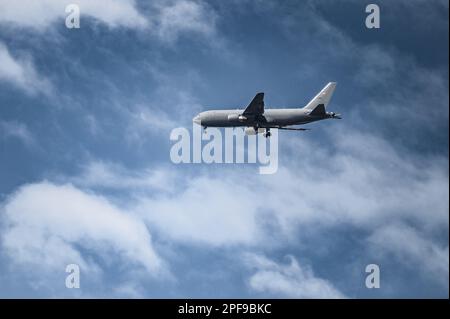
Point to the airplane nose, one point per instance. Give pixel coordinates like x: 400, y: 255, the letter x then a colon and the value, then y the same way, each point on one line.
x: 197, y: 120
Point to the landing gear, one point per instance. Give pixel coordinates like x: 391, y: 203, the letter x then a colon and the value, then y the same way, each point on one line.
x: 267, y: 133
x: 204, y: 129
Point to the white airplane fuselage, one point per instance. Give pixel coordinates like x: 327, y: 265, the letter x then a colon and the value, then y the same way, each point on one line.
x: 271, y: 117
x: 256, y: 117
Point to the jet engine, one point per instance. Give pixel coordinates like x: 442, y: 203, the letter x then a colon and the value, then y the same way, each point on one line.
x: 251, y: 130
x: 236, y: 117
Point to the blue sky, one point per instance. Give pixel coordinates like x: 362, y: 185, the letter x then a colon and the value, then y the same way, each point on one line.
x: 86, y: 177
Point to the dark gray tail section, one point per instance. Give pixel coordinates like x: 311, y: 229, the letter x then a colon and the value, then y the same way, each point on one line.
x: 318, y: 111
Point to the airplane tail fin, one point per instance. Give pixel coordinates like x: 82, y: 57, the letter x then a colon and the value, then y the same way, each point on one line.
x: 321, y: 100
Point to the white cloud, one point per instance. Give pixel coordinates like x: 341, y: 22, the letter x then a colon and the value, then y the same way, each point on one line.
x: 187, y: 16
x: 17, y: 130
x: 142, y: 122
x: 21, y: 72
x: 365, y: 184
x: 166, y: 19
x: 411, y: 248
x: 290, y: 280
x: 153, y: 120
x: 214, y: 211
x: 367, y: 181
x: 39, y: 15
x: 114, y: 176
x: 376, y: 66
x: 48, y: 226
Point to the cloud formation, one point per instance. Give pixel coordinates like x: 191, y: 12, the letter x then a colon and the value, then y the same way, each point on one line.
x: 14, y: 129
x: 184, y: 16
x: 39, y: 15
x: 414, y: 250
x: 166, y: 19
x: 365, y: 185
x: 106, y: 175
x: 289, y: 280
x: 48, y: 226
x: 110, y: 189
x: 334, y: 188
x: 22, y: 73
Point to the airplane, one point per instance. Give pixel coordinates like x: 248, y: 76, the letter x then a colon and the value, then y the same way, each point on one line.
x: 258, y: 120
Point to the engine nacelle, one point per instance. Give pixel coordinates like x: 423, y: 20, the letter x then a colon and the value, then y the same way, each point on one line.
x: 251, y: 130
x: 236, y: 117
x: 242, y: 118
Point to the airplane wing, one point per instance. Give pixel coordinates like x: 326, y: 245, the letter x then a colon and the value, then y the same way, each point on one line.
x: 256, y: 106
